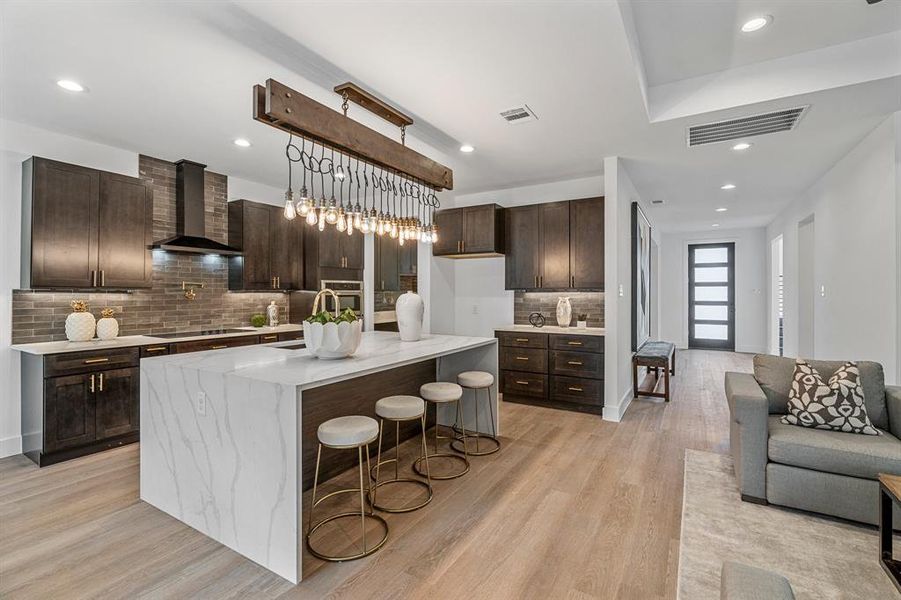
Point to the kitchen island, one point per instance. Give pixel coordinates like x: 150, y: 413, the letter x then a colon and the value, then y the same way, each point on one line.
x: 228, y: 437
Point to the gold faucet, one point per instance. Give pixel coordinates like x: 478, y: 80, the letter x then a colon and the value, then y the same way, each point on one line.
x: 190, y: 294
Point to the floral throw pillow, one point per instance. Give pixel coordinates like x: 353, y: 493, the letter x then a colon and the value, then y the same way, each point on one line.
x: 837, y: 404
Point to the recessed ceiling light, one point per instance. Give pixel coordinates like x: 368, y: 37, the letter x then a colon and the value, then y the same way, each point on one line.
x: 722, y: 209
x: 242, y: 142
x: 741, y: 146
x: 728, y: 186
x: 466, y: 148
x: 756, y: 23
x: 72, y: 86
x: 715, y: 225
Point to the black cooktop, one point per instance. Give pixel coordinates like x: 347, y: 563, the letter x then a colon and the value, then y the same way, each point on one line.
x: 201, y: 332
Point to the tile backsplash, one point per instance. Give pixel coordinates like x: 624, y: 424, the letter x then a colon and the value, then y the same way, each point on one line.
x: 39, y: 316
x: 590, y: 303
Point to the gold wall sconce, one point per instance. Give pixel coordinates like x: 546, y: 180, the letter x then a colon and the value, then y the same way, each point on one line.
x: 188, y: 287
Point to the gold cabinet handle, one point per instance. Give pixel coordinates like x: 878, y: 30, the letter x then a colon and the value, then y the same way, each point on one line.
x: 575, y: 362
x: 92, y: 383
x: 541, y: 281
x: 536, y: 281
x: 572, y: 281
x: 522, y: 358
x: 102, y: 282
x: 521, y: 382
x: 574, y: 343
x: 522, y: 339
x: 93, y: 278
x: 94, y: 361
x: 101, y: 382
x: 219, y: 347
x: 155, y: 349
x: 574, y: 389
x: 269, y: 337
x: 463, y: 245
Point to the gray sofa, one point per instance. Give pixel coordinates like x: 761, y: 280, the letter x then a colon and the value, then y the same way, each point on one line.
x: 822, y: 471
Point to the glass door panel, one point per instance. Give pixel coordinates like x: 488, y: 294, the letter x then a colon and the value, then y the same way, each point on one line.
x: 711, y: 296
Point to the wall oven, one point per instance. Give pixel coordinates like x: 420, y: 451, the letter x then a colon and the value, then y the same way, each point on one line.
x: 350, y: 295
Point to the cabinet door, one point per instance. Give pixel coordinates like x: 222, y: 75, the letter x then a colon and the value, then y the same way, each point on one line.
x: 554, y: 245
x: 64, y: 202
x: 286, y: 250
x: 331, y: 253
x: 450, y: 232
x: 352, y: 249
x: 409, y: 254
x: 586, y: 239
x: 117, y: 399
x: 478, y: 229
x: 256, y: 246
x: 69, y: 411
x: 388, y: 272
x: 523, y: 251
x: 125, y: 232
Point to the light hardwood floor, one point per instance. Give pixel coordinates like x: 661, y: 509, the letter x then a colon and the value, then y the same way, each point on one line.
x: 572, y: 507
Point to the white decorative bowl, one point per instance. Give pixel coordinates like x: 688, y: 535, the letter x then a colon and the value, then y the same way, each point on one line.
x: 333, y: 340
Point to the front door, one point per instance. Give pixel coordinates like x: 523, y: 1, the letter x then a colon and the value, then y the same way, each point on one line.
x: 711, y: 296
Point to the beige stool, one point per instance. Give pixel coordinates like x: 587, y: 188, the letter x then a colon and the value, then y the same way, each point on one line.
x: 442, y: 392
x: 475, y: 381
x: 399, y: 409
x: 343, y: 433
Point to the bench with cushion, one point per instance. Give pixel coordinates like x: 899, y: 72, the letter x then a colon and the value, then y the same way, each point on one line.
x: 656, y: 356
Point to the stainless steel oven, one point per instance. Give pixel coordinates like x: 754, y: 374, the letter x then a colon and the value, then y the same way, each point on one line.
x: 350, y: 295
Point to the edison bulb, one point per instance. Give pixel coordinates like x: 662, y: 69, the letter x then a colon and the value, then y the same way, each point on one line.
x: 311, y: 217
x: 321, y: 224
x: 290, y: 213
x: 341, y: 223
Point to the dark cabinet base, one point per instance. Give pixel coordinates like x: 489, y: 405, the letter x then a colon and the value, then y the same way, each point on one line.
x: 44, y: 459
x: 594, y: 409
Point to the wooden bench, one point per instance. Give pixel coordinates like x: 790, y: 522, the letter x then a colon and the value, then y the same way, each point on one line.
x: 656, y: 356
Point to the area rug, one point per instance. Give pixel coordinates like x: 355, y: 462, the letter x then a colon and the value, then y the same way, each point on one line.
x: 821, y: 557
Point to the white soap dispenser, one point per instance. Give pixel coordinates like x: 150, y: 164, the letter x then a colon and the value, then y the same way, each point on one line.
x: 272, y: 314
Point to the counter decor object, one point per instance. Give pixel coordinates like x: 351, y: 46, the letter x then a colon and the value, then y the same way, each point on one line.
x: 409, y: 309
x: 332, y: 336
x: 272, y: 314
x: 107, y: 326
x: 258, y: 320
x: 80, y: 325
x: 564, y: 311
x: 536, y: 319
x: 582, y: 321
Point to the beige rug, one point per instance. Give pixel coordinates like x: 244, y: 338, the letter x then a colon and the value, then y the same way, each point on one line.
x: 822, y: 558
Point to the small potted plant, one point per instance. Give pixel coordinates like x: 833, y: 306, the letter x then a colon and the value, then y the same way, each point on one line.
x: 330, y: 335
x: 258, y: 320
x: 582, y: 320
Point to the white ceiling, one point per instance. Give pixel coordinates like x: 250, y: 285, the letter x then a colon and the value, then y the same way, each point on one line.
x: 173, y: 80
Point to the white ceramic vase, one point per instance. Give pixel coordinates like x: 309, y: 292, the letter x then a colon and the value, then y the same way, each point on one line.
x: 107, y: 328
x: 564, y: 311
x: 409, y: 309
x: 80, y: 327
x: 333, y: 340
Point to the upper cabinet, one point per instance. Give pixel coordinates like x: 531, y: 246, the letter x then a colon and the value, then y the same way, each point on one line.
x: 84, y: 228
x: 332, y: 255
x: 387, y: 264
x: 272, y: 248
x: 470, y: 232
x: 555, y: 246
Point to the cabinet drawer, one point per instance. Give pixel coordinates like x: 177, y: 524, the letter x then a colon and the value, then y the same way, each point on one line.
x: 523, y: 384
x: 82, y: 362
x: 576, y: 389
x: 290, y: 336
x: 522, y: 340
x: 215, y: 344
x: 577, y: 364
x: 533, y: 360
x: 154, y: 350
x: 268, y: 338
x: 582, y: 343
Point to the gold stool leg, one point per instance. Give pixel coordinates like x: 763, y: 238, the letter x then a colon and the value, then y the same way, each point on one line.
x: 425, y: 454
x: 315, y: 484
x: 461, y: 439
x: 417, y: 463
x: 378, y: 464
x: 362, y: 496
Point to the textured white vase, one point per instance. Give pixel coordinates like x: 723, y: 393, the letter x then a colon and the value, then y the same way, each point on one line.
x: 409, y: 309
x: 107, y: 328
x: 80, y: 327
x: 564, y: 311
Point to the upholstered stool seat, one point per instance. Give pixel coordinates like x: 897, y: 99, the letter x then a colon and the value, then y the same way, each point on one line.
x: 345, y: 433
x: 400, y: 407
x: 348, y: 432
x: 441, y: 391
x: 475, y: 379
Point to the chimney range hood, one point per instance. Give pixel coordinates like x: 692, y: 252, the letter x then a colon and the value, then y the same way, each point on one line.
x: 190, y: 229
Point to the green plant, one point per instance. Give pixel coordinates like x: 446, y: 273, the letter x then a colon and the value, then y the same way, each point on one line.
x: 582, y: 317
x: 324, y: 316
x: 258, y: 320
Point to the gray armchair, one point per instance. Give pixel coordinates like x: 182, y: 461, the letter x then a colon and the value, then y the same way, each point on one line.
x: 822, y: 471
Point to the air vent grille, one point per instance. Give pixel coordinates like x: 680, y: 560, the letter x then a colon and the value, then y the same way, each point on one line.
x: 744, y: 127
x: 658, y: 201
x: 520, y: 114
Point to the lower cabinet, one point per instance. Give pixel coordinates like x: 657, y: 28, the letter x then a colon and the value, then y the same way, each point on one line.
x: 556, y: 370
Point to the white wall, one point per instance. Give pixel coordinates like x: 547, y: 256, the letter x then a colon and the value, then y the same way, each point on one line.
x: 750, y: 285
x: 856, y: 240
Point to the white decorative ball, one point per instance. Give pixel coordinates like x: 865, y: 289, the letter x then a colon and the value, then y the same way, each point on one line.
x: 80, y: 327
x: 107, y: 328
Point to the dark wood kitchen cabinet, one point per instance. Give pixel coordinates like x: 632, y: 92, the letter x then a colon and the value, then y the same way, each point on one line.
x: 332, y: 255
x: 555, y: 246
x: 471, y: 231
x: 272, y: 248
x: 84, y: 228
x: 387, y: 264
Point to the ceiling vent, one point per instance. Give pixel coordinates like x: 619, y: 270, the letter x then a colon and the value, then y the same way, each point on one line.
x: 520, y: 114
x: 744, y: 127
x: 658, y: 201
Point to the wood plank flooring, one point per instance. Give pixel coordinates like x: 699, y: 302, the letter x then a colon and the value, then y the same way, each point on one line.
x: 571, y: 507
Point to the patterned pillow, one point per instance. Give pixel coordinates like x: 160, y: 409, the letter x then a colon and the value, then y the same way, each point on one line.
x: 836, y: 405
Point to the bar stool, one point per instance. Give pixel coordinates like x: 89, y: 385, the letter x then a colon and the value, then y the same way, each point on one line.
x: 475, y: 381
x: 441, y: 392
x: 399, y: 409
x: 343, y: 433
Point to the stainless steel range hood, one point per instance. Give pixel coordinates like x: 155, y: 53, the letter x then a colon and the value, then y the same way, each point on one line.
x: 190, y: 229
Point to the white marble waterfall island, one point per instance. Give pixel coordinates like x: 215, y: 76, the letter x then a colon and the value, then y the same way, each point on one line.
x: 226, y: 435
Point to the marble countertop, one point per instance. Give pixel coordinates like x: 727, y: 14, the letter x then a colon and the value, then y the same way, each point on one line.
x: 553, y: 329
x: 128, y: 341
x: 378, y: 351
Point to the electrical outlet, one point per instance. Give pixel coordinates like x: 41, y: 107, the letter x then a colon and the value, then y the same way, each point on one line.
x: 201, y: 403
x: 475, y: 309
x: 622, y: 292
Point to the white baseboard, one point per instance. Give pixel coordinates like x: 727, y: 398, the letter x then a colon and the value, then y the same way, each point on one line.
x: 615, y: 413
x: 10, y: 446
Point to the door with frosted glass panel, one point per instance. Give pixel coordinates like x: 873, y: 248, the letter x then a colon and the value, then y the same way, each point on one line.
x: 711, y: 296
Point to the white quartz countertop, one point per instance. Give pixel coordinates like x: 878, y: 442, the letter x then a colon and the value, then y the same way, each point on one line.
x: 553, y: 329
x: 128, y: 341
x: 378, y: 351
